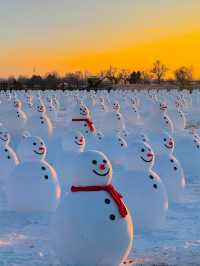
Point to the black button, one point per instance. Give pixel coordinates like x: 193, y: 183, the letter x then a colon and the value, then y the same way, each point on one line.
x: 151, y: 177
x: 85, y: 125
x: 8, y: 157
x: 6, y: 150
x: 155, y: 186
x: 42, y: 122
x: 46, y: 177
x: 172, y: 160
x: 107, y: 201
x: 86, y: 131
x: 43, y: 168
x: 112, y: 217
x: 166, y: 122
x: 175, y: 168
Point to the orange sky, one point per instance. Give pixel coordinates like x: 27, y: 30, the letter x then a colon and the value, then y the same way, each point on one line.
x: 123, y: 33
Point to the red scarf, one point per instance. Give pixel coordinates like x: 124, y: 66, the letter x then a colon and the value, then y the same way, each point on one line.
x: 87, y: 120
x: 108, y: 188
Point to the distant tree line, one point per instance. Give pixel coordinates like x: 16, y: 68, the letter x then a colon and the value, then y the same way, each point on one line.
x: 112, y: 76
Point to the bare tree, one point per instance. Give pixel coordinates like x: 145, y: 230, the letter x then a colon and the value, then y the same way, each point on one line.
x: 125, y: 75
x: 146, y: 77
x: 183, y: 75
x: 159, y: 70
x: 114, y: 75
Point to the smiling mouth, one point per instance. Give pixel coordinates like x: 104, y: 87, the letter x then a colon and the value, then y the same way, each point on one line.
x: 80, y: 144
x: 97, y: 173
x: 163, y: 108
x: 147, y: 161
x: 39, y: 153
x: 4, y: 139
x: 168, y: 146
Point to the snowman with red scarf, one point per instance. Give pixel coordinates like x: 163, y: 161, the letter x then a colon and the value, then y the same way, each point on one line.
x: 82, y: 121
x: 92, y: 225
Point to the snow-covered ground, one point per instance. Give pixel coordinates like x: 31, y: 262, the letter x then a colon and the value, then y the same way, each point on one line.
x: 24, y: 239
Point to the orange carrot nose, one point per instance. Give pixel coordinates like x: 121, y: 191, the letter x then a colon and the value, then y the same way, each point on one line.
x: 170, y: 143
x: 41, y: 148
x: 102, y: 167
x: 149, y: 154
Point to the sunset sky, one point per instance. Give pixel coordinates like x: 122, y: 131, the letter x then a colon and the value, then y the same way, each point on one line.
x: 68, y: 35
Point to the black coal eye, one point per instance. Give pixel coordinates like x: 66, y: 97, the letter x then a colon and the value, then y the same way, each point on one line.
x: 165, y: 139
x: 41, y: 143
x: 104, y: 161
x: 94, y: 162
x: 76, y: 137
x: 142, y: 150
x: 122, y: 144
x: 34, y: 143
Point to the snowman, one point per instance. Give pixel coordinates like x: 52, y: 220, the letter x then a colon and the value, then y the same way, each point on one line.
x: 8, y: 157
x: 168, y: 167
x: 143, y: 190
x: 94, y: 142
x: 115, y: 148
x: 82, y: 121
x: 93, y: 216
x: 64, y: 157
x: 39, y: 123
x: 33, y: 185
x: 189, y: 144
x: 15, y: 121
x: 157, y: 119
x: 113, y: 123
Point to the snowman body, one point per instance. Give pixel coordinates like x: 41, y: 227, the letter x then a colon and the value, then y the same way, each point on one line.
x: 40, y: 125
x: 188, y: 153
x: 171, y: 173
x: 8, y: 161
x: 88, y: 227
x: 33, y: 184
x: 113, y: 123
x: 97, y: 240
x: 33, y: 187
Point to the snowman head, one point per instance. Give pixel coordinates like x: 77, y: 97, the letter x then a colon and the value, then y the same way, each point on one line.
x: 139, y: 156
x: 41, y: 108
x: 4, y: 136
x: 73, y: 142
x: 32, y: 148
x: 17, y: 104
x: 162, y: 143
x: 163, y: 106
x: 93, y: 169
x: 81, y: 110
x: 116, y: 106
x: 168, y: 142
